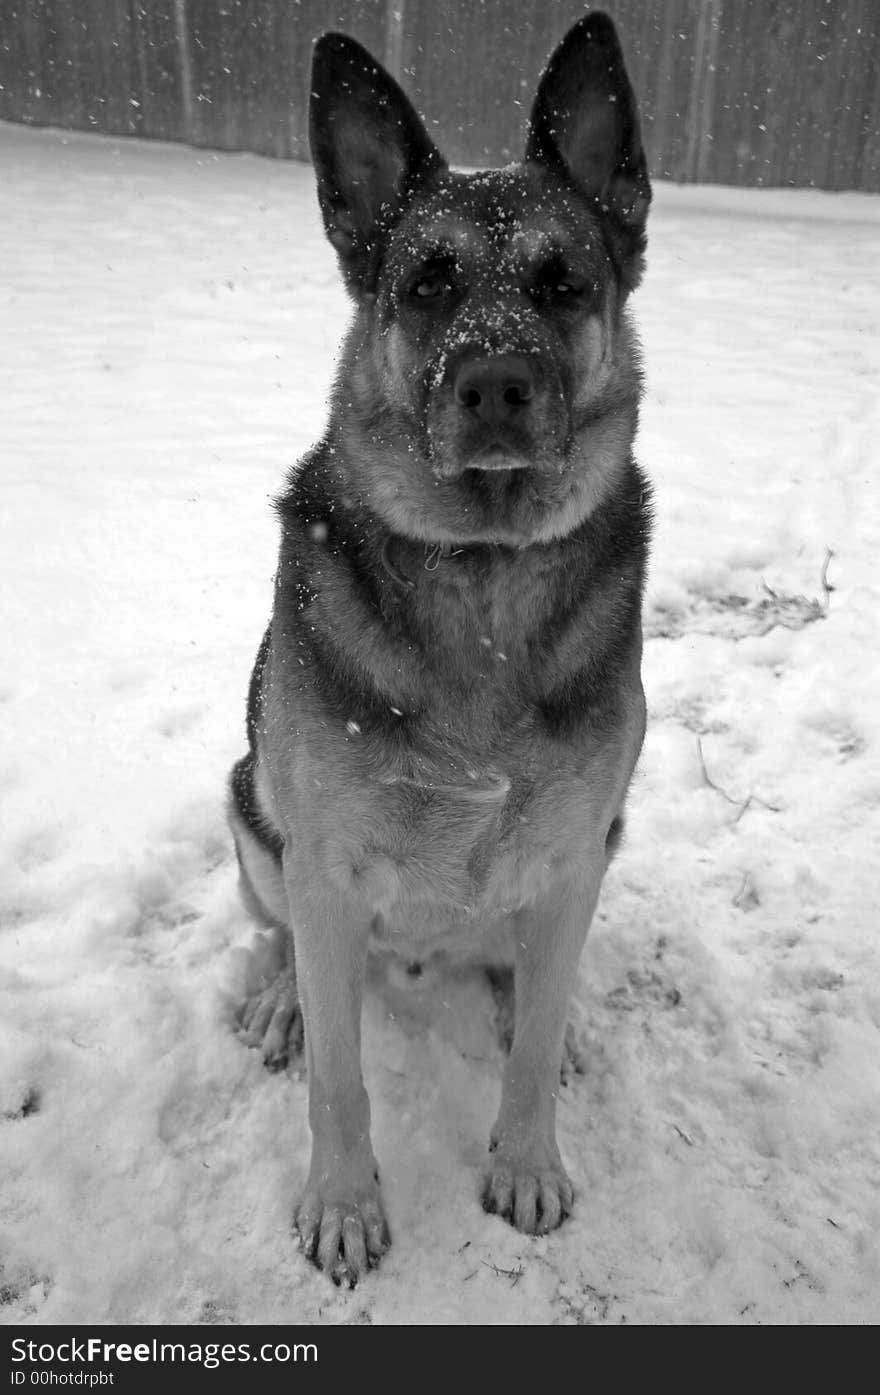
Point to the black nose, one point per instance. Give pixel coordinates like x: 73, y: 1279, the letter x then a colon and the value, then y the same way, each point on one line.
x: 494, y: 389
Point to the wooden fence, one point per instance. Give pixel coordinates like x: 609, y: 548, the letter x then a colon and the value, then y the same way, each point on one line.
x: 777, y: 92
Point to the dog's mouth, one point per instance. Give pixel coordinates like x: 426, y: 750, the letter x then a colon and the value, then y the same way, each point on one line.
x: 494, y: 453
x: 496, y: 456
x: 496, y: 464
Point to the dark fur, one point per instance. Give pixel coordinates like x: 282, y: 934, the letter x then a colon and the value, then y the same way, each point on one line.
x: 446, y: 708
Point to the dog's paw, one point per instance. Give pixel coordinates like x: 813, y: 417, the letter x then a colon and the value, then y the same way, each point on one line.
x: 272, y: 1020
x: 343, y: 1238
x: 535, y: 1195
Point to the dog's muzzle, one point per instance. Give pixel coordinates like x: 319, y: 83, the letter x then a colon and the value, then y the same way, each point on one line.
x: 497, y: 390
x: 491, y: 413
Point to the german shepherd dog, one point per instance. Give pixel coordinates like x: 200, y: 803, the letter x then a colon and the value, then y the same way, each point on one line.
x: 447, y: 708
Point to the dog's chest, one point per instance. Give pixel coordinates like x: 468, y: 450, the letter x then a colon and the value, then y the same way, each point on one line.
x: 464, y: 811
x: 441, y: 858
x: 481, y: 630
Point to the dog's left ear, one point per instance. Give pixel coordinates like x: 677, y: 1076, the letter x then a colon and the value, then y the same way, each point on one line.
x: 585, y: 126
x: 370, y: 151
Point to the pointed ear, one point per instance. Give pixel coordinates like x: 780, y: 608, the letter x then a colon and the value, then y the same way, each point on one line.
x: 369, y: 149
x: 585, y: 126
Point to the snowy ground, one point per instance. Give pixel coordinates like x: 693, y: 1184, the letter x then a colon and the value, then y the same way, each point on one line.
x: 170, y: 319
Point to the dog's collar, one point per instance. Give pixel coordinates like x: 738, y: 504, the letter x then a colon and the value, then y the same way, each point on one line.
x: 433, y: 555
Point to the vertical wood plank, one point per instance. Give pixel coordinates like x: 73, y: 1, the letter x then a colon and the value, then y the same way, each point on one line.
x: 735, y: 91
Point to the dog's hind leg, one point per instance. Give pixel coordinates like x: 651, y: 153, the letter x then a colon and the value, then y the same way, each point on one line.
x: 503, y: 990
x: 270, y: 1018
x: 500, y: 979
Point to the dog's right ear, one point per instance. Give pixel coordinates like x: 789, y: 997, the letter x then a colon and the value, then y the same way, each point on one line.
x: 370, y: 152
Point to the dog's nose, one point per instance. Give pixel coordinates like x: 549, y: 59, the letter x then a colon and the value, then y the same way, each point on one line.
x: 494, y: 389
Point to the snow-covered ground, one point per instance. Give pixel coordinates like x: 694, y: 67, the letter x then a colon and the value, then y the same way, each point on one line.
x: 170, y: 320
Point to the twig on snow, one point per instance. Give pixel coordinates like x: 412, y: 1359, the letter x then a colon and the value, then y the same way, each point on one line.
x: 825, y: 583
x: 747, y: 898
x: 743, y: 805
x: 710, y: 782
x: 513, y: 1274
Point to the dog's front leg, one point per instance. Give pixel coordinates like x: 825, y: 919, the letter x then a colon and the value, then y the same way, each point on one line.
x: 339, y: 1218
x: 526, y: 1181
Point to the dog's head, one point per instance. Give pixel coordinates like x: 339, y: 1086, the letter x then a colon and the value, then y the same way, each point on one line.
x: 491, y: 384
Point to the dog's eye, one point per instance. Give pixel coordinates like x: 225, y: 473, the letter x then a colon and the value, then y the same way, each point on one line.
x: 430, y: 287
x: 567, y: 287
x: 555, y: 282
x: 433, y: 283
